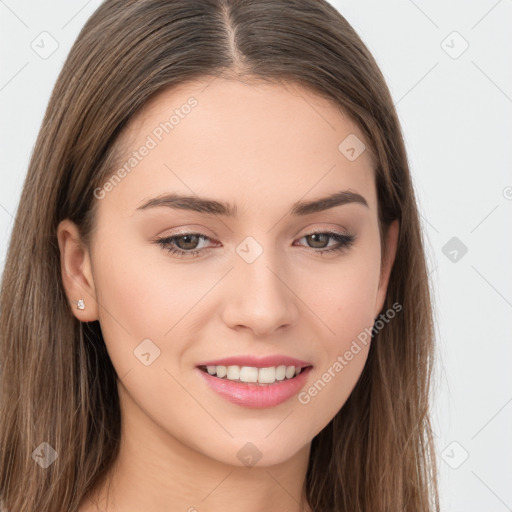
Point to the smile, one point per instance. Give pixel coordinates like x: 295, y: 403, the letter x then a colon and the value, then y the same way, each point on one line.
x: 253, y: 387
x: 253, y: 374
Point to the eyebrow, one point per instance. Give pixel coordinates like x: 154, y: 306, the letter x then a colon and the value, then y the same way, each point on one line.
x: 213, y: 207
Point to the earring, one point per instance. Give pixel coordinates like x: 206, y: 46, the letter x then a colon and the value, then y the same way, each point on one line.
x: 79, y: 303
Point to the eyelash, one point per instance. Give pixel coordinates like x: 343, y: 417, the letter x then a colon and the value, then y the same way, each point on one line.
x: 345, y: 242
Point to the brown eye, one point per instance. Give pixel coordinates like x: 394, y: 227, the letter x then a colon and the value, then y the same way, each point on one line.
x: 320, y: 240
x: 185, y: 244
x: 188, y: 241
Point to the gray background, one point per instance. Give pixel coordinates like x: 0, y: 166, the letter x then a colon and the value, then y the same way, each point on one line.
x: 455, y: 105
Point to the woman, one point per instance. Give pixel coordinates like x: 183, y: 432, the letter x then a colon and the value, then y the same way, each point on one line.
x: 215, y: 295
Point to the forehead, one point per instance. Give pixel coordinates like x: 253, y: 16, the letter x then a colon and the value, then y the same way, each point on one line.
x: 259, y: 142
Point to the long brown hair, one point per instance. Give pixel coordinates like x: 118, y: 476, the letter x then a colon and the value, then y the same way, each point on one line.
x: 57, y: 382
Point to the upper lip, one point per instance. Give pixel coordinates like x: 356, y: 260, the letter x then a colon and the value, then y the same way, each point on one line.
x: 258, y: 362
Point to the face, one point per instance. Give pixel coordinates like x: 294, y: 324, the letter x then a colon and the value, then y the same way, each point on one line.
x: 262, y: 276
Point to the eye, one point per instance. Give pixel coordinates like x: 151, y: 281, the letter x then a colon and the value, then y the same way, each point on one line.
x: 344, y: 241
x: 186, y: 244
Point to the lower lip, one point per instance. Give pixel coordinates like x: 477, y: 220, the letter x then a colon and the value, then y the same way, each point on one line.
x: 256, y: 396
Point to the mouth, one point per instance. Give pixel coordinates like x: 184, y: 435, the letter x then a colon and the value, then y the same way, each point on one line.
x: 262, y: 376
x: 257, y: 387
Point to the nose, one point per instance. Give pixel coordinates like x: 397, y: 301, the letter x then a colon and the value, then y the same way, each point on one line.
x: 260, y: 298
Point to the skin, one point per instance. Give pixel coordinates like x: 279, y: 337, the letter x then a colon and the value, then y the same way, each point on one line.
x: 261, y: 147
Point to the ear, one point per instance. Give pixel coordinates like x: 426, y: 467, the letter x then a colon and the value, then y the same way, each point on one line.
x: 391, y: 237
x: 76, y: 271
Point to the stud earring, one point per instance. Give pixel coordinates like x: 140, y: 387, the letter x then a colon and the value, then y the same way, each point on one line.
x: 79, y: 303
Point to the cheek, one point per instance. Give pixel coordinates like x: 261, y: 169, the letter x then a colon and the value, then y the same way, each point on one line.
x: 145, y: 294
x: 138, y: 301
x: 143, y: 291
x: 345, y: 306
x: 344, y: 297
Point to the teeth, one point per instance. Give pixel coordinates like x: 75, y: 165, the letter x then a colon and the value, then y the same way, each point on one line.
x: 252, y: 374
x: 267, y: 375
x: 233, y: 372
x: 281, y: 372
x: 248, y: 374
x: 290, y: 372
